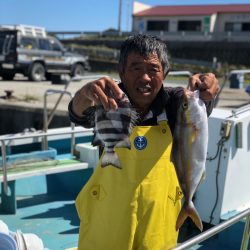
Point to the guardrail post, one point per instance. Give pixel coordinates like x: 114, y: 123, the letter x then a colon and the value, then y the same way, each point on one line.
x: 45, y: 123
x: 246, y: 235
x: 4, y: 167
x: 8, y: 204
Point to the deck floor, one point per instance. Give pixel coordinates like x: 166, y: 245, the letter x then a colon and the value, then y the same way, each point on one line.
x: 54, y: 220
x: 229, y: 239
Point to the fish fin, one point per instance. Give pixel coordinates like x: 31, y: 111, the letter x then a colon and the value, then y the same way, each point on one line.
x: 111, y: 158
x: 124, y: 144
x: 189, y: 210
x: 203, y: 176
x: 97, y: 140
x: 195, y: 134
x: 134, y: 119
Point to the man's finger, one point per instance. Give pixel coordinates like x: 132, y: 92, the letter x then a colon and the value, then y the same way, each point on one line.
x: 118, y: 94
x: 210, y: 82
x: 206, y: 95
x: 112, y: 103
x: 194, y: 82
x: 98, y: 94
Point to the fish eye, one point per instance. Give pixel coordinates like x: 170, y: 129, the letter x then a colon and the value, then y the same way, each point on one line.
x: 185, y: 105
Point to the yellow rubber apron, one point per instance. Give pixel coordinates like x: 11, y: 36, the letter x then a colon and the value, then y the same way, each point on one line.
x: 135, y: 207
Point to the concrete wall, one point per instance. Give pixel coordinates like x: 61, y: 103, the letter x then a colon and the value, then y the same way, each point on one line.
x: 234, y: 53
x: 15, y: 119
x: 231, y: 53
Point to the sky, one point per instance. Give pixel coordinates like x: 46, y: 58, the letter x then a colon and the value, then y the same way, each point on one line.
x: 81, y: 15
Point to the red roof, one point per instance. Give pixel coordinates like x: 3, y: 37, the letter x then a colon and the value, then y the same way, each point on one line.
x: 188, y: 10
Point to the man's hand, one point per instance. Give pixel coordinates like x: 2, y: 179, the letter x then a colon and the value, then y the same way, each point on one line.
x: 206, y: 83
x: 103, y: 91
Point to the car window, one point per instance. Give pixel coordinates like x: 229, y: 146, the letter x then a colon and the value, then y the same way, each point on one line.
x: 28, y: 43
x: 2, y: 38
x: 12, y: 43
x: 55, y: 45
x: 7, y: 43
x: 44, y: 44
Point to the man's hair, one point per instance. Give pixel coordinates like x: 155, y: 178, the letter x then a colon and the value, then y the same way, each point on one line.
x: 144, y: 45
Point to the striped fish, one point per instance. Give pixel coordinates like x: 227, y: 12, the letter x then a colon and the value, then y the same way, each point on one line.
x: 113, y: 128
x: 189, y: 152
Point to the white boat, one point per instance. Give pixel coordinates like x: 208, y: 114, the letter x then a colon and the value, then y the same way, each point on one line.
x: 43, y: 171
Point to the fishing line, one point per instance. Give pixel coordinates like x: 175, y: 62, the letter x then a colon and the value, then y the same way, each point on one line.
x: 219, y: 152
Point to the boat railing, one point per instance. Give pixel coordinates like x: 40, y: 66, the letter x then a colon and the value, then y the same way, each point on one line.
x: 180, y: 73
x: 47, y: 119
x: 33, y: 135
x: 239, y: 74
x: 217, y: 229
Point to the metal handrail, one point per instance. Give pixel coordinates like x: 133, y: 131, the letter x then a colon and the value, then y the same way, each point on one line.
x: 246, y: 234
x: 216, y: 229
x: 3, y: 139
x: 47, y: 120
x: 226, y: 79
x: 180, y: 73
x: 240, y: 110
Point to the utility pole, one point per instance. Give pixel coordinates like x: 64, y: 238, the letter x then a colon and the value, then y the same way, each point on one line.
x: 128, y: 14
x: 120, y: 17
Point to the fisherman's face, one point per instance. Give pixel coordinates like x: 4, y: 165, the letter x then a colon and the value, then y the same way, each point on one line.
x: 142, y: 78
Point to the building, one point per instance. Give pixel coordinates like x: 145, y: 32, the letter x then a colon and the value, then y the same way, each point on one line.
x: 229, y: 22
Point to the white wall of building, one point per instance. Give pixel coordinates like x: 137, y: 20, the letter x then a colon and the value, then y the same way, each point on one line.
x: 212, y: 27
x: 230, y: 18
x: 138, y: 23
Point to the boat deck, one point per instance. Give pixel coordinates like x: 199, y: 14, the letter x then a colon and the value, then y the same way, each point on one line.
x: 229, y: 239
x: 45, y: 206
x: 54, y: 219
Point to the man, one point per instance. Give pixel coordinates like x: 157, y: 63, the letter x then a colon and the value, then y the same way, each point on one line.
x: 136, y: 207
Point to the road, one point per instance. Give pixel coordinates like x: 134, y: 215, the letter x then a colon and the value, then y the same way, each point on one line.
x: 31, y: 94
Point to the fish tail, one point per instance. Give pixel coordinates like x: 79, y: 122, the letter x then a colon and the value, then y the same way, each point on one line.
x: 110, y: 158
x: 189, y: 210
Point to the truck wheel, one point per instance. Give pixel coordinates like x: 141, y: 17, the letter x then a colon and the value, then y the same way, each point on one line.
x: 37, y: 72
x: 78, y: 70
x: 9, y: 76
